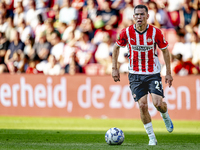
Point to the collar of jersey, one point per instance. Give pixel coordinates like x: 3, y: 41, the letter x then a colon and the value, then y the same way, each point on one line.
x: 140, y: 32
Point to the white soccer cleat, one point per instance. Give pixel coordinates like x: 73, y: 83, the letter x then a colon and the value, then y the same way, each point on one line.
x: 153, y: 141
x: 168, y: 123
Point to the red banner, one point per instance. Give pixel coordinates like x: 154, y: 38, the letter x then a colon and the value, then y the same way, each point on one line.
x: 91, y: 96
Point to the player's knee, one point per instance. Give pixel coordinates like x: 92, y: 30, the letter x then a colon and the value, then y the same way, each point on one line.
x: 165, y: 104
x: 157, y: 105
x: 143, y: 106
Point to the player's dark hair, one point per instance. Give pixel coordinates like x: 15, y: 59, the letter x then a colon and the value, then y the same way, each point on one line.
x: 141, y: 6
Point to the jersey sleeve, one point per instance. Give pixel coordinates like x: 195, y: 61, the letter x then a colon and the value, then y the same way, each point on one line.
x: 122, y: 38
x: 160, y: 40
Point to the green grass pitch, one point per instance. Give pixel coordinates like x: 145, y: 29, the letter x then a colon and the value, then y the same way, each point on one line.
x: 74, y: 133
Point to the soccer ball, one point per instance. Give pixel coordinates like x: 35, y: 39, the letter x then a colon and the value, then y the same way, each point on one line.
x: 114, y: 136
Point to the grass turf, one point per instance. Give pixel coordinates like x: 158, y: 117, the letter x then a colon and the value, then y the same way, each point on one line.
x: 70, y: 133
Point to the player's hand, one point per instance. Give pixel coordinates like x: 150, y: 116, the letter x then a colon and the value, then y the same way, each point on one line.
x: 115, y: 75
x: 168, y: 79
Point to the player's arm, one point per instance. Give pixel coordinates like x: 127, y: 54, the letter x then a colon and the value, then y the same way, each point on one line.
x: 121, y: 41
x: 168, y: 77
x: 115, y: 70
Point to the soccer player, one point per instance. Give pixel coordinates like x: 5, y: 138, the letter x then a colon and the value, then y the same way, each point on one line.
x: 144, y: 67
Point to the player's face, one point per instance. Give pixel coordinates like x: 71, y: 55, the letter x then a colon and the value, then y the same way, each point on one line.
x: 140, y: 16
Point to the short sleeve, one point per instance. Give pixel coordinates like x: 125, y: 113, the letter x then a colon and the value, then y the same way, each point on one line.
x: 122, y: 38
x: 160, y: 40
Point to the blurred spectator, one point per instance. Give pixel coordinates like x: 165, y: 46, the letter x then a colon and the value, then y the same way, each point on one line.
x: 17, y: 46
x: 181, y: 47
x: 40, y: 27
x: 173, y: 7
x: 195, y: 44
x: 72, y: 13
x: 28, y: 49
x: 77, y: 4
x: 3, y: 23
x: 42, y: 47
x: 49, y: 28
x: 98, y: 36
x: 15, y: 3
x: 188, y: 15
x: 61, y: 28
x: 100, y: 4
x: 4, y: 43
x: 104, y: 53
x: 158, y: 16
x: 71, y: 27
x: 118, y: 4
x: 86, y: 49
x: 4, y: 11
x: 73, y: 67
x: 52, y: 67
x: 60, y: 3
x: 53, y: 13
x: 69, y: 48
x: 69, y: 61
x: 32, y: 63
x: 14, y: 57
x: 137, y: 2
x: 127, y: 14
x: 32, y: 14
x: 188, y: 30
x: 25, y: 31
x: 87, y: 26
x: 107, y: 17
x: 90, y: 10
x: 19, y: 15
x: 15, y: 64
x: 56, y: 21
x: 57, y: 44
x: 8, y: 4
x: 161, y: 3
x: 10, y: 29
x: 196, y: 4
x: 25, y: 4
x: 184, y: 68
x: 198, y: 30
x: 42, y: 4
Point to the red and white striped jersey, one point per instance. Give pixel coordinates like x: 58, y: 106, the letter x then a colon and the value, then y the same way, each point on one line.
x: 142, y: 52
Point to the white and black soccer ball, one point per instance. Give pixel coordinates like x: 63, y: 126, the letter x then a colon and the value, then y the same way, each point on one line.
x: 114, y: 136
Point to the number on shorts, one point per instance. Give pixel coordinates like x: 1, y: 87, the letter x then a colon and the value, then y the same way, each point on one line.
x: 158, y: 85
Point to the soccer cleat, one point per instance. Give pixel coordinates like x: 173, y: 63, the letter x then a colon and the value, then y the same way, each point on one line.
x: 168, y: 123
x: 153, y: 141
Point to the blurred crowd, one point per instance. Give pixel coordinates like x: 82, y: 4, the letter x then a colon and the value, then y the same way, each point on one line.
x: 56, y: 37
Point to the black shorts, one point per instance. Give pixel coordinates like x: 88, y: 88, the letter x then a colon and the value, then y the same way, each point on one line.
x: 140, y: 85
